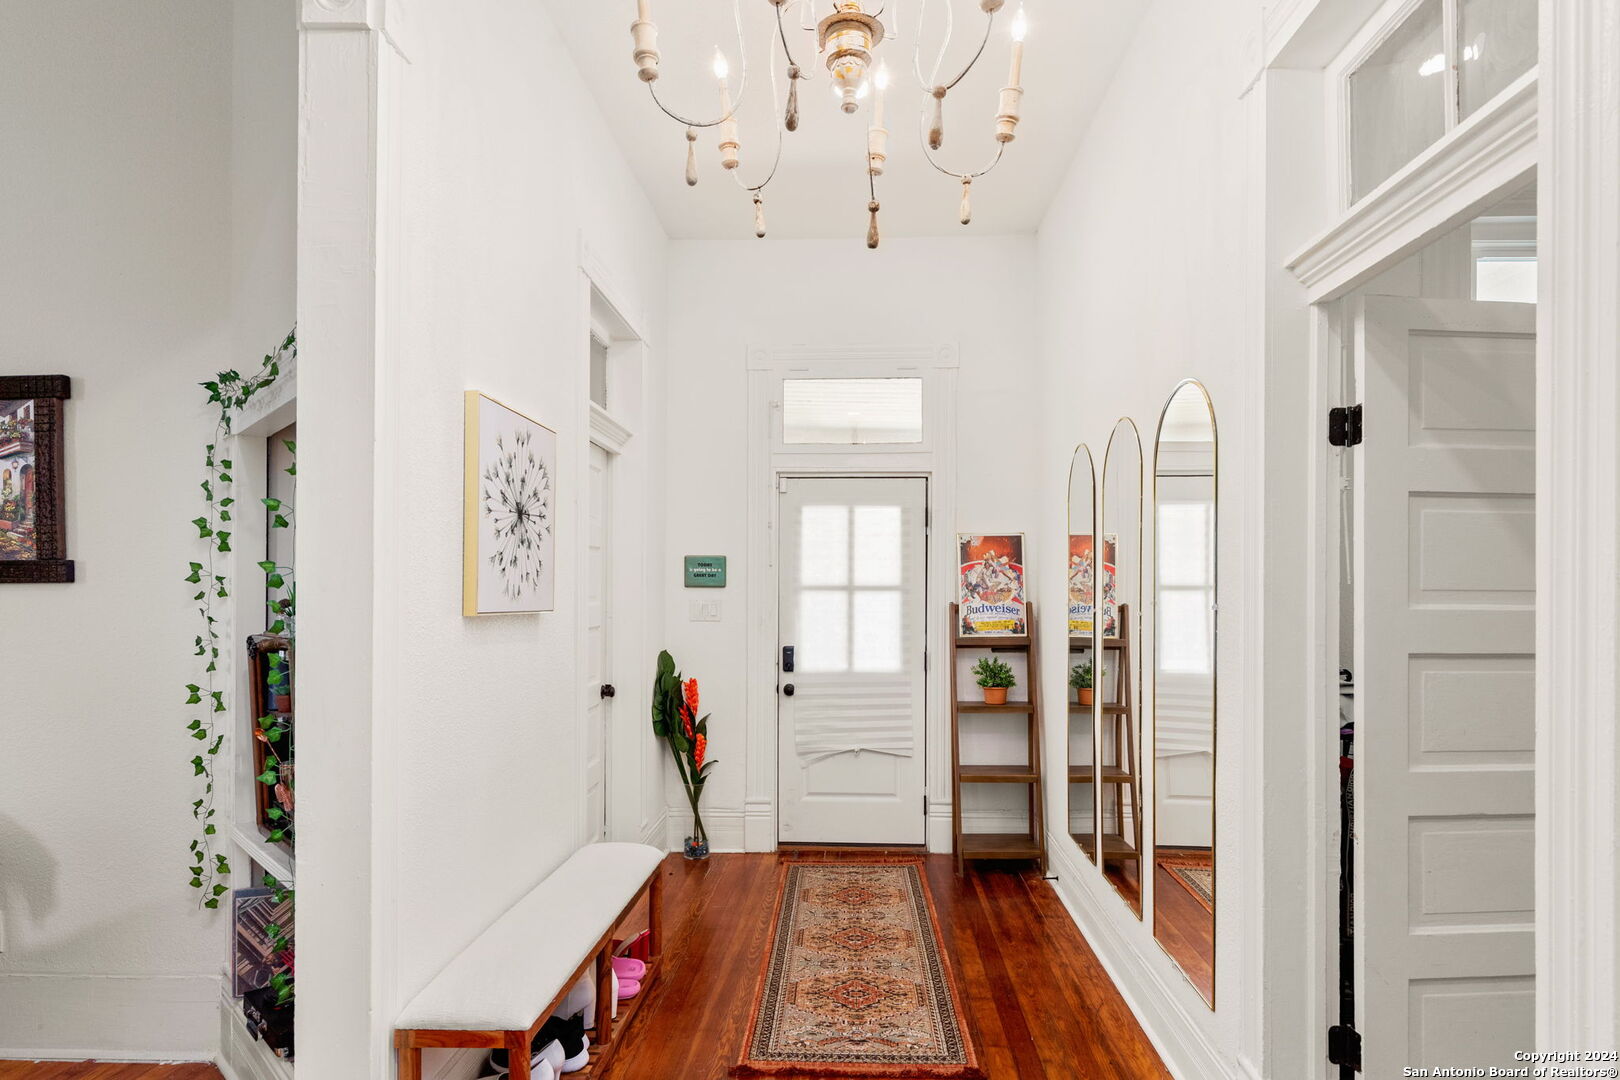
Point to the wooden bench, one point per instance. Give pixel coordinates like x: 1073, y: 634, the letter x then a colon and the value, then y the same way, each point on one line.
x: 498, y: 991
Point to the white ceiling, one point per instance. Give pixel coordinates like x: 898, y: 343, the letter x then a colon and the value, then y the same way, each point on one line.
x: 820, y: 188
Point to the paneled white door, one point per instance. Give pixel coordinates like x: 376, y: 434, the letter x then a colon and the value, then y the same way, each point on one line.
x: 598, y: 639
x: 853, y: 612
x: 1445, y: 520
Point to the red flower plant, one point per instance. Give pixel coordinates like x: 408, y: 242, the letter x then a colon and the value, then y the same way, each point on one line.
x: 675, y: 718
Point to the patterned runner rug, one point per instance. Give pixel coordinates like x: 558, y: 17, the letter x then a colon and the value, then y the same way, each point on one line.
x: 1196, y: 874
x: 856, y: 982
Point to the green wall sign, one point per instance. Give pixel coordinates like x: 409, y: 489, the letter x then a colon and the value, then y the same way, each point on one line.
x: 705, y: 571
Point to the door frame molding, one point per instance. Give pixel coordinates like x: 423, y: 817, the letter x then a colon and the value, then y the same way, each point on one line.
x: 630, y: 763
x: 767, y: 365
x: 1578, y: 455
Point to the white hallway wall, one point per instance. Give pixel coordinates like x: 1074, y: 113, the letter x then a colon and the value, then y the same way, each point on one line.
x: 726, y: 296
x: 1144, y: 280
x: 494, y: 171
x: 130, y: 266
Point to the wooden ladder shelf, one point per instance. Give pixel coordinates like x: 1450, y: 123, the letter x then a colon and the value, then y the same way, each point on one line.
x: 1120, y: 774
x: 1030, y: 844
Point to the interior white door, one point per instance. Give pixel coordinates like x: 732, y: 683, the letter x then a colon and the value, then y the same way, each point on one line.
x: 1445, y: 520
x: 853, y: 610
x: 598, y: 640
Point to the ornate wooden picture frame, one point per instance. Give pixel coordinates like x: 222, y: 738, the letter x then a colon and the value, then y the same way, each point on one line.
x: 33, y: 480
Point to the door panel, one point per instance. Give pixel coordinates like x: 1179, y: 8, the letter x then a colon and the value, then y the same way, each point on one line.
x: 598, y: 640
x: 852, y: 607
x: 1445, y: 672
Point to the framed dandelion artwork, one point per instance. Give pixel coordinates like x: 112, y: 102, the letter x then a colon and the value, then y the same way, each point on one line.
x: 510, y: 529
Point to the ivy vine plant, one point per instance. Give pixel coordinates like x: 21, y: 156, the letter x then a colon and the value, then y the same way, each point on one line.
x: 274, y: 729
x: 281, y: 947
x: 230, y: 391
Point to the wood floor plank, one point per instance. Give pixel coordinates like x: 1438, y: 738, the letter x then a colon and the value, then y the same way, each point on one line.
x: 1035, y: 998
x: 96, y: 1070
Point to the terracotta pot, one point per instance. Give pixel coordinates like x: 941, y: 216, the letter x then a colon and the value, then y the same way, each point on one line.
x: 1085, y: 696
x: 995, y: 695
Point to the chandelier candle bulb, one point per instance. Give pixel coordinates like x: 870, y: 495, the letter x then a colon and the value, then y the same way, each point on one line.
x: 877, y: 149
x: 728, y: 124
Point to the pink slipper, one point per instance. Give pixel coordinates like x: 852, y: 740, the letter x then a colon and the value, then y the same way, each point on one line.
x: 628, y: 988
x: 627, y: 968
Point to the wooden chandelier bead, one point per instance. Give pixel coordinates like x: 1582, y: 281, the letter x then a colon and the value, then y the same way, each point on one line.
x: 936, y: 130
x: 967, y: 200
x: 791, y: 122
x: 691, y: 158
x: 646, y: 38
x: 872, y: 237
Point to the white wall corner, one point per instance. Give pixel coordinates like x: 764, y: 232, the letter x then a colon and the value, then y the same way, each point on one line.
x: 656, y: 832
x: 1178, y: 1036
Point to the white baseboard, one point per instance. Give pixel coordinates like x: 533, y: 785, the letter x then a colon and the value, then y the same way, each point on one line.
x: 656, y: 834
x: 117, y: 1018
x: 726, y: 828
x: 759, y: 825
x: 1176, y: 1034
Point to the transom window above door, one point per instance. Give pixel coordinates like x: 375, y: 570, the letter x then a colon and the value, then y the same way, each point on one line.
x: 1423, y: 68
x: 852, y: 412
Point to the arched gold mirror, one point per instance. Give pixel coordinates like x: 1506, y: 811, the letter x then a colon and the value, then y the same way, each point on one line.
x: 1117, y: 727
x: 1082, y: 577
x: 1185, y: 502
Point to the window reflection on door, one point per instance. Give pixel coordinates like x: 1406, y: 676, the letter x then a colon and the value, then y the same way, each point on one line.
x: 850, y: 577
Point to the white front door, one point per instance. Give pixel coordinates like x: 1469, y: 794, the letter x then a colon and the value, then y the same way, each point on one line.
x: 1445, y: 528
x: 598, y: 640
x: 853, y: 612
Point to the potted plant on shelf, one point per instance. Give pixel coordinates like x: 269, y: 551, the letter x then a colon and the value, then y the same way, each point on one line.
x: 996, y: 678
x: 1080, y: 679
x: 675, y: 720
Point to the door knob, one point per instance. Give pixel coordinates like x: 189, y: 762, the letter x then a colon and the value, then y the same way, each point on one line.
x: 608, y: 690
x: 788, y: 689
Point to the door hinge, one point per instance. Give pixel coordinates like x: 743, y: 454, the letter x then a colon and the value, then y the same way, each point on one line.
x: 1344, y: 426
x: 1344, y: 1046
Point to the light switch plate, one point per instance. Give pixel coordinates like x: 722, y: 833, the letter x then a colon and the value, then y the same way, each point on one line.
x: 705, y: 611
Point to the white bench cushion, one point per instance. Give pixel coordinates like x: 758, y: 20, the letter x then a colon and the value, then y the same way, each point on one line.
x: 513, y: 970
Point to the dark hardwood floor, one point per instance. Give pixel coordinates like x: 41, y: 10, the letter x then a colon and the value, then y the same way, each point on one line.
x: 1037, y: 1001
x: 1185, y: 929
x: 93, y: 1070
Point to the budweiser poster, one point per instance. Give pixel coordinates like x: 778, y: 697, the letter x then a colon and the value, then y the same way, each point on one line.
x: 990, y: 591
x: 1083, y: 586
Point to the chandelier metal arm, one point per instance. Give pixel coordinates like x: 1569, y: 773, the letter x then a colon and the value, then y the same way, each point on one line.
x: 1001, y: 150
x: 989, y: 28
x: 742, y: 89
x: 776, y: 109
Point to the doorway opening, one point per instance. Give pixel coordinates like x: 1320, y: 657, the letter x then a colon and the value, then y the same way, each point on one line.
x: 1437, y: 606
x: 614, y: 762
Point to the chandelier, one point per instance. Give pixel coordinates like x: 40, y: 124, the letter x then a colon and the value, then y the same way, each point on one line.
x: 847, y: 41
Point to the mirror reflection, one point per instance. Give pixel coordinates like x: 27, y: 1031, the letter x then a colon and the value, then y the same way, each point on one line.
x: 1117, y: 736
x: 1184, y: 528
x: 1082, y: 572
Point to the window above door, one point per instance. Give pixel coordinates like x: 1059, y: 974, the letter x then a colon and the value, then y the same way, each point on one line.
x: 1419, y: 70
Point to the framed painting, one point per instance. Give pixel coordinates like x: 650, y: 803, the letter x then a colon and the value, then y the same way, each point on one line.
x: 990, y: 587
x: 33, y: 481
x: 510, y: 504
